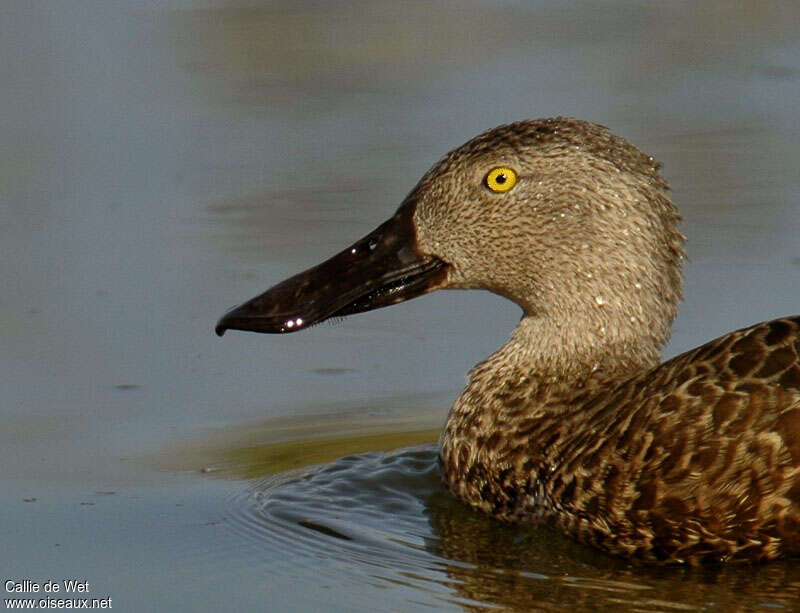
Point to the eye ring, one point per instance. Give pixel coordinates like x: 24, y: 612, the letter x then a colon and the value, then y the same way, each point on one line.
x: 500, y: 179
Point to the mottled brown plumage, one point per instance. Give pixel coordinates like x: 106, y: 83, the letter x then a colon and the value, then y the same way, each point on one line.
x: 696, y: 459
x: 573, y: 421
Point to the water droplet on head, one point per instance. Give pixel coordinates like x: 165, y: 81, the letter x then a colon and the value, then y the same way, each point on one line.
x: 599, y: 300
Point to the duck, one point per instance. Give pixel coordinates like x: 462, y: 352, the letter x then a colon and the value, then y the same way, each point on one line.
x: 575, y: 421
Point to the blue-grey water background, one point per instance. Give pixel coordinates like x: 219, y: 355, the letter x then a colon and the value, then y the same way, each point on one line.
x: 163, y: 161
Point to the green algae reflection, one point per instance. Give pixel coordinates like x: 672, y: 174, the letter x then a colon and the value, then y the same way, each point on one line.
x: 287, y: 444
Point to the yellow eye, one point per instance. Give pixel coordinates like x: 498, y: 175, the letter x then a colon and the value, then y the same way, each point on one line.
x: 501, y: 179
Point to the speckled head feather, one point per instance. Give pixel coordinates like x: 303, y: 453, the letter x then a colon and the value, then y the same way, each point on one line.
x: 585, y: 242
x: 574, y: 421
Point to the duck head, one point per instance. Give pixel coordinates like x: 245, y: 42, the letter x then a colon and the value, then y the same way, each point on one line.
x: 560, y: 216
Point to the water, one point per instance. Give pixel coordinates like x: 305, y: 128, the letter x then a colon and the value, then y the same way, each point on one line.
x: 380, y: 529
x: 164, y: 161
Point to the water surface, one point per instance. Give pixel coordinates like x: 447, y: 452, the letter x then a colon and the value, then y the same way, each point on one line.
x: 164, y: 161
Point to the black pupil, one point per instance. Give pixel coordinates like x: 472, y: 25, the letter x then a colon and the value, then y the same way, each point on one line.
x: 500, y: 179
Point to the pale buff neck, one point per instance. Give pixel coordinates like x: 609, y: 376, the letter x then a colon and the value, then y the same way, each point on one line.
x: 561, y: 357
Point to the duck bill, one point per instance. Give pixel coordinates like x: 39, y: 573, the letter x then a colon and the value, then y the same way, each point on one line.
x: 383, y: 268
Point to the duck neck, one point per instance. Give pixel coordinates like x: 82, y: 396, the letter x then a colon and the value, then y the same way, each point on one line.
x: 574, y: 352
x: 532, y: 383
x: 554, y: 360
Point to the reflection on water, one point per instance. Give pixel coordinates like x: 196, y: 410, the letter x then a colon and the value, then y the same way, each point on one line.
x: 384, y: 519
x: 257, y: 450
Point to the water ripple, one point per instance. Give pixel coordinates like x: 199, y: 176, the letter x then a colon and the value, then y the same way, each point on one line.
x: 383, y: 521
